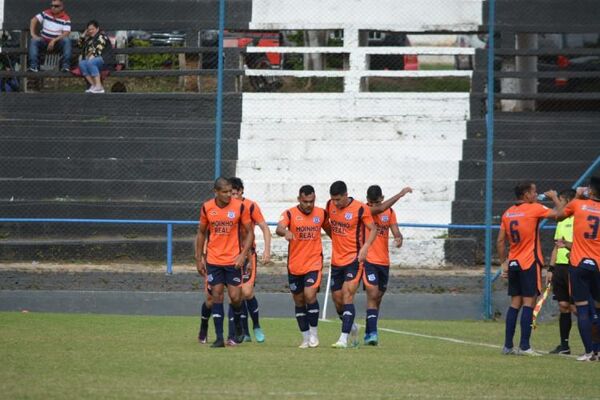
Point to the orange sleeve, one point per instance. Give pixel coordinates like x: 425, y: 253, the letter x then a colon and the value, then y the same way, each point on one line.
x: 203, y: 218
x: 284, y: 218
x: 542, y: 211
x: 367, y: 217
x: 569, y: 208
x: 245, y: 218
x: 256, y: 214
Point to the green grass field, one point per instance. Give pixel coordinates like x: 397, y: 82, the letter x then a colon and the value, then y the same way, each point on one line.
x: 72, y: 356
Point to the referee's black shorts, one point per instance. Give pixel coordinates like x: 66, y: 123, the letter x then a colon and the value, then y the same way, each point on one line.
x: 560, y: 283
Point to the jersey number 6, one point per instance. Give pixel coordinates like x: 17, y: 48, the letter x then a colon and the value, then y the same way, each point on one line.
x: 514, y: 233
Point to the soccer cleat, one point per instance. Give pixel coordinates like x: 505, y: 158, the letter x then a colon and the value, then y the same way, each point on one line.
x: 203, y: 337
x: 259, y: 335
x: 507, y: 351
x: 372, y: 339
x: 218, y: 343
x: 529, y: 352
x: 247, y: 338
x: 339, y: 345
x: 313, y: 341
x: 305, y: 344
x: 586, y: 357
x: 353, y: 337
x: 561, y: 350
x: 231, y: 342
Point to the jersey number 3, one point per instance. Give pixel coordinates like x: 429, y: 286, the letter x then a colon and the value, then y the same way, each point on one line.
x: 594, y: 224
x: 514, y: 233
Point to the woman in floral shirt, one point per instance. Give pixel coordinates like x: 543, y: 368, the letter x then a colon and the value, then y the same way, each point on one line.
x: 96, y: 54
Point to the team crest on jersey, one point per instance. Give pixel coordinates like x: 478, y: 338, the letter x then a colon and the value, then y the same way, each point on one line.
x: 348, y: 216
x: 385, y: 218
x: 316, y: 220
x: 231, y: 214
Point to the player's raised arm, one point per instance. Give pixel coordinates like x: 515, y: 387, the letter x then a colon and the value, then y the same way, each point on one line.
x: 381, y: 207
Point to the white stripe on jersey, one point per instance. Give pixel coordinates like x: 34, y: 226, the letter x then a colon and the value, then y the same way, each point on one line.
x: 52, y: 26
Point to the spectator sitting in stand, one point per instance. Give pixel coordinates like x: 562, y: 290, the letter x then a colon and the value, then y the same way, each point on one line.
x: 54, y: 28
x: 96, y: 55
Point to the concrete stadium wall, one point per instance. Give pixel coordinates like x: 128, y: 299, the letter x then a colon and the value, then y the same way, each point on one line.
x: 390, y: 139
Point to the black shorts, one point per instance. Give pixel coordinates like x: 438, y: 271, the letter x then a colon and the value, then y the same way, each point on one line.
x: 347, y: 273
x: 560, y: 283
x: 525, y: 283
x: 585, y: 281
x: 376, y: 275
x: 223, y: 275
x: 299, y: 282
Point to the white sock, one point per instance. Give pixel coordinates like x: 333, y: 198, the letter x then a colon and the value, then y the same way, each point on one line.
x: 312, y: 330
x: 306, y: 335
x: 343, y: 337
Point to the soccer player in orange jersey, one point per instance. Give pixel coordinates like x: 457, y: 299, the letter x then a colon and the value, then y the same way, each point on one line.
x: 348, y: 219
x: 377, y: 265
x: 584, y: 270
x: 249, y: 303
x: 301, y: 227
x: 223, y: 222
x: 522, y: 267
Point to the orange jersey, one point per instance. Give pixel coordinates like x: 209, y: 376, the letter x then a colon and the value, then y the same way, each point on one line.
x: 305, y: 251
x: 521, y: 225
x: 347, y: 231
x: 379, y: 251
x: 256, y: 215
x: 586, y: 230
x: 224, y: 230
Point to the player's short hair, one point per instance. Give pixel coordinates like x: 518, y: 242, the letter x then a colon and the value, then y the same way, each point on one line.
x: 306, y: 190
x: 374, y: 193
x: 595, y: 184
x: 338, y: 188
x: 220, y: 183
x: 522, y: 188
x: 236, y: 183
x: 568, y: 194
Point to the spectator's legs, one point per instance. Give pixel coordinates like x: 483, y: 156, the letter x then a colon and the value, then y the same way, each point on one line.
x: 64, y: 45
x: 85, y: 71
x: 90, y: 69
x: 35, y: 48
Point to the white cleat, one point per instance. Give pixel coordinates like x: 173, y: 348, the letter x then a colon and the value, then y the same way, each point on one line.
x: 340, y: 345
x: 313, y: 341
x: 529, y: 352
x: 586, y: 357
x: 304, y: 345
x: 353, y: 337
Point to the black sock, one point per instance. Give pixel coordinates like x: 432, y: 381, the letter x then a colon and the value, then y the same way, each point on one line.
x: 564, y: 324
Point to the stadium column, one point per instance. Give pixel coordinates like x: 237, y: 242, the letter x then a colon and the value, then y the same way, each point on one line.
x: 1, y: 14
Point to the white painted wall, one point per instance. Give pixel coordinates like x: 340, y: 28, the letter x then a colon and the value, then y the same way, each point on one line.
x: 390, y: 139
x: 1, y: 13
x: 402, y: 15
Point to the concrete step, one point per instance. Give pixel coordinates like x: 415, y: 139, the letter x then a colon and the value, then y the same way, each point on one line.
x: 474, y: 189
x: 22, y: 128
x: 116, y: 148
x: 524, y: 170
x: 103, y: 189
x: 402, y: 171
x: 369, y: 151
x: 118, y: 106
x: 538, y: 127
x: 354, y: 106
x: 411, y: 129
x: 127, y: 169
x: 514, y: 150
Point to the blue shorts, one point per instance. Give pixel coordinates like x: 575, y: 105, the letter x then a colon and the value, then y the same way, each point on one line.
x: 223, y: 275
x: 585, y: 281
x: 299, y: 282
x: 525, y: 283
x: 376, y: 275
x: 347, y: 273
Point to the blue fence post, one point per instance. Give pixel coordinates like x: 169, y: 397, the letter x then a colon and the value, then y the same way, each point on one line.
x: 489, y: 167
x: 169, y: 249
x: 219, y: 116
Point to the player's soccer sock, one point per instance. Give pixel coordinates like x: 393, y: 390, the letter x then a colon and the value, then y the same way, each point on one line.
x: 237, y: 319
x: 585, y: 326
x: 371, y: 322
x: 244, y: 317
x: 348, y: 318
x: 301, y: 319
x: 526, y: 321
x: 511, y: 326
x: 596, y: 331
x: 218, y: 314
x: 204, y: 317
x: 253, y: 310
x: 564, y: 323
x: 312, y: 311
x: 230, y: 324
